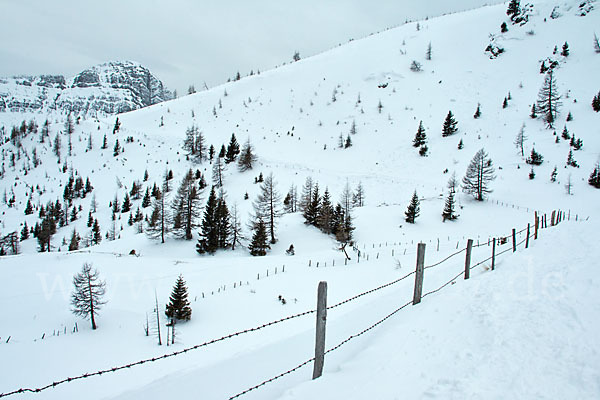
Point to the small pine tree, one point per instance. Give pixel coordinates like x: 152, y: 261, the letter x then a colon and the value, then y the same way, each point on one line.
x: 569, y: 117
x: 247, y: 157
x: 179, y: 306
x: 348, y: 142
x: 74, y: 243
x: 420, y: 137
x: 553, y: 175
x: 233, y: 149
x: 571, y: 160
x: 505, y: 103
x: 449, y: 127
x: 412, y: 212
x: 535, y: 158
x: 477, y: 111
x: 503, y: 27
x: 25, y: 232
x: 596, y: 102
x: 450, y: 204
x: 531, y: 173
x: 126, y: 206
x: 259, y: 244
x: 460, y: 144
x: 594, y: 179
x: 565, y: 133
x: 565, y: 50
x: 533, y: 114
x: 514, y: 9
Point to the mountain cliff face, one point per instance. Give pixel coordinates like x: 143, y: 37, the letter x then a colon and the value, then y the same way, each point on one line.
x: 109, y: 88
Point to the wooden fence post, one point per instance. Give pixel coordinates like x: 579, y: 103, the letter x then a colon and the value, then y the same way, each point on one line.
x: 537, y: 224
x: 320, y: 335
x: 419, y: 273
x: 494, y: 254
x: 527, y: 239
x: 552, y: 218
x: 468, y: 259
x: 514, y: 235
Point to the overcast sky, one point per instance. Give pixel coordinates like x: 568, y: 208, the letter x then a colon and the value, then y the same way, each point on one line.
x: 187, y: 42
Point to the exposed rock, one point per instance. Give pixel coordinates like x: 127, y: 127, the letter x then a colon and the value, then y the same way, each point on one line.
x: 109, y: 88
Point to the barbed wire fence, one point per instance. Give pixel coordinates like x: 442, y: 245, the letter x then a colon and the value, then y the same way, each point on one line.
x: 556, y: 218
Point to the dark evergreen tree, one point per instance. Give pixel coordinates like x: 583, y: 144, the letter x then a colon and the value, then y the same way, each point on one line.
x: 47, y: 229
x: 126, y: 206
x: 569, y: 116
x: 158, y: 225
x: 222, y: 152
x: 218, y: 169
x: 348, y: 142
x: 565, y: 50
x: 571, y: 160
x: 311, y: 211
x: 224, y: 228
x: 596, y: 102
x: 553, y: 175
x: 211, y: 152
x: 477, y: 111
x: 259, y: 245
x: 179, y: 306
x: 413, y: 210
x: 104, y: 143
x: 25, y: 232
x: 86, y: 298
x: 423, y: 150
x: 505, y: 103
x: 247, y: 157
x: 460, y: 144
x: 420, y: 137
x: 209, y: 235
x: 28, y: 208
x: 117, y: 126
x: 480, y: 173
x: 117, y: 148
x: 535, y: 158
x: 449, y: 127
x: 503, y: 27
x: 90, y: 220
x: 325, y: 214
x: 533, y: 114
x: 531, y: 173
x: 233, y: 149
x: 146, y: 201
x: 594, y: 179
x: 96, y: 234
x: 514, y: 9
x: 74, y: 243
x: 449, y: 211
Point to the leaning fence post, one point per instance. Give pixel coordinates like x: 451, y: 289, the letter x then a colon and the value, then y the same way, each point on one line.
x: 419, y: 273
x: 514, y: 235
x: 494, y: 254
x: 320, y: 335
x: 552, y: 218
x: 527, y: 239
x: 468, y: 259
x: 537, y: 224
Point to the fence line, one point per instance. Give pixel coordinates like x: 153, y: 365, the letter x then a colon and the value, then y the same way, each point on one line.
x: 260, y: 327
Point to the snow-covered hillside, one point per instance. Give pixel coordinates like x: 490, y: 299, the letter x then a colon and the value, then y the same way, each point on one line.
x: 295, y: 117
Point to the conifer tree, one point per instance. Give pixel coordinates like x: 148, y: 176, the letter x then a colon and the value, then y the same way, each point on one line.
x: 88, y: 290
x: 535, y: 158
x: 311, y: 209
x: 565, y: 50
x: 553, y: 175
x: 306, y: 197
x: 247, y: 157
x: 533, y: 114
x: 146, y: 201
x: 571, y: 160
x: 480, y: 173
x: 218, y: 169
x: 594, y: 179
x: 96, y: 233
x: 74, y: 243
x: 259, y: 245
x: 548, y: 102
x: 126, y: 206
x: 233, y: 149
x: 358, y: 198
x: 25, y: 232
x: 413, y: 210
x: 47, y: 229
x: 209, y: 232
x: 236, y: 227
x: 514, y: 9
x: 420, y: 137
x: 449, y: 127
x: 28, y: 207
x: 596, y: 102
x: 325, y: 214
x: 449, y: 211
x: 477, y: 111
x: 179, y: 306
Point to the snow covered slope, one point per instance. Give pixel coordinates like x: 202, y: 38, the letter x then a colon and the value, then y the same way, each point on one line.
x: 294, y: 116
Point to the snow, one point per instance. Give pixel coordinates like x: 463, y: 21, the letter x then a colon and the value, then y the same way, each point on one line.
x: 526, y: 330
